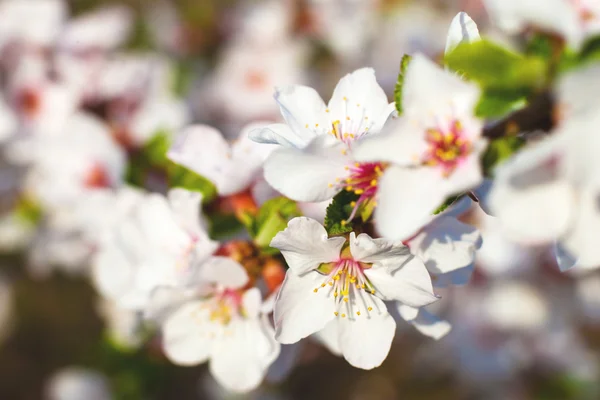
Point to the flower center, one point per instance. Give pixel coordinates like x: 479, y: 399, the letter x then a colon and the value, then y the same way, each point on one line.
x: 350, y: 288
x: 96, y: 177
x: 586, y: 14
x: 363, y: 180
x: 224, y: 306
x: 447, y: 148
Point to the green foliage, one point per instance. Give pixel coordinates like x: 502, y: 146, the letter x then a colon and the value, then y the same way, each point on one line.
x: 498, y: 151
x: 449, y: 201
x: 338, y: 213
x: 505, y: 77
x: 28, y: 211
x: 221, y: 226
x: 272, y: 218
x: 184, y: 178
x: 400, y: 82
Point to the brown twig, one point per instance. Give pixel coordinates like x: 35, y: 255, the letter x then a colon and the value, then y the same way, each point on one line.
x: 537, y: 116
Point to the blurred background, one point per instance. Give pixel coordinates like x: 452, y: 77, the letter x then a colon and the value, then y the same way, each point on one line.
x: 521, y: 329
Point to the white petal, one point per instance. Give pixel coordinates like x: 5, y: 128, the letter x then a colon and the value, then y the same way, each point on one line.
x: 425, y: 322
x: 564, y: 259
x: 305, y: 245
x: 409, y: 284
x: 446, y: 245
x: 303, y: 110
x: 299, y: 311
x: 202, y: 149
x: 530, y: 198
x: 186, y: 207
x: 381, y: 251
x: 430, y: 91
x: 330, y: 337
x: 162, y: 302
x: 251, y: 302
x: 309, y: 174
x: 401, y: 142
x: 223, y: 271
x: 159, y: 224
x: 280, y: 134
x: 365, y: 340
x: 359, y: 102
x: 407, y: 200
x: 112, y: 271
x: 239, y: 360
x: 581, y: 239
x: 462, y: 29
x: 185, y: 341
x: 104, y: 29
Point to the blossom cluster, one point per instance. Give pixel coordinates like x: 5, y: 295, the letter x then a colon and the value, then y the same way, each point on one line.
x: 331, y: 221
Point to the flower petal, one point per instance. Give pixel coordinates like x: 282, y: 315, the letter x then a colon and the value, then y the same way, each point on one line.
x: 185, y: 341
x: 407, y: 200
x: 223, y: 271
x: 366, y: 340
x: 299, y: 311
x: 303, y: 111
x: 582, y: 238
x: 410, y: 284
x: 305, y: 245
x: 239, y: 361
x: 309, y: 174
x: 530, y: 198
x: 425, y: 322
x: 462, y: 30
x: 330, y: 337
x: 280, y: 134
x: 446, y: 245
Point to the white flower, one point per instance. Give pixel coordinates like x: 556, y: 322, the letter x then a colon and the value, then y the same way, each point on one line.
x: 549, y: 191
x: 124, y: 327
x: 225, y: 327
x: 462, y: 30
x: 341, y: 287
x: 316, y: 159
x: 161, y: 244
x: 447, y: 247
x: 74, y: 383
x: 430, y: 153
x: 231, y: 167
x: 574, y: 19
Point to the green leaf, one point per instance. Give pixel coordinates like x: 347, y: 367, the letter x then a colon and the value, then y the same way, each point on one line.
x: 497, y: 103
x: 184, y: 178
x: 338, y: 213
x: 155, y: 150
x: 494, y: 67
x: 400, y: 82
x: 449, y: 201
x: 272, y: 218
x: 221, y: 226
x: 499, y: 150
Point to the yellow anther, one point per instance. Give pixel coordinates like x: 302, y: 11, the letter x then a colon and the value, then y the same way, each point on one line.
x: 357, y: 164
x: 337, y: 277
x: 327, y: 110
x: 347, y: 118
x: 374, y: 182
x: 352, y: 204
x: 335, y: 313
x: 316, y: 125
x: 322, y: 284
x: 345, y: 98
x: 370, y: 308
x: 335, y: 294
x: 366, y: 117
x: 349, y: 188
x: 316, y: 290
x: 357, y: 104
x: 337, y: 179
x: 306, y: 126
x: 343, y: 222
x: 345, y: 299
x: 343, y: 315
x: 372, y: 291
x: 359, y: 191
x: 330, y: 185
x: 358, y: 313
x: 344, y: 152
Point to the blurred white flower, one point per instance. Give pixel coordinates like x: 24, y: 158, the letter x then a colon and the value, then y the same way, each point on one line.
x: 575, y: 20
x: 225, y: 326
x: 75, y: 383
x: 433, y: 148
x: 162, y: 243
x: 339, y: 288
x: 231, y: 167
x: 124, y: 327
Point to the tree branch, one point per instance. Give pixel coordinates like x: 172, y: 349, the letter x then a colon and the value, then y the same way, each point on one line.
x: 537, y: 116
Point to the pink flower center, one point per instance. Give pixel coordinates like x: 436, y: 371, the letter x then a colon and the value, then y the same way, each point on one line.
x: 347, y: 282
x: 224, y: 305
x: 363, y: 180
x: 586, y: 14
x: 97, y: 177
x: 447, y: 147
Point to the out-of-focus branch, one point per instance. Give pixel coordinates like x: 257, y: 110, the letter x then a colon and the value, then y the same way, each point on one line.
x: 537, y: 116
